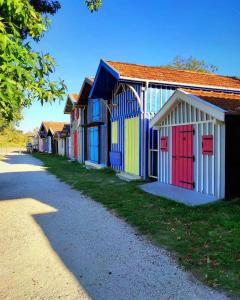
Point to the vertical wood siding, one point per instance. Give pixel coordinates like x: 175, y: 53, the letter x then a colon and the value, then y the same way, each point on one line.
x: 156, y: 96
x: 81, y: 137
x: 209, y: 170
x: 97, y: 112
x: 61, y: 146
x: 81, y: 144
x: 114, y: 132
x: 131, y: 151
x: 103, y: 144
x: 124, y: 106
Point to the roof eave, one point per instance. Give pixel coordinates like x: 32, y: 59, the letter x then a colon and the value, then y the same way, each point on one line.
x: 108, y: 67
x: 88, y: 81
x: 179, y: 84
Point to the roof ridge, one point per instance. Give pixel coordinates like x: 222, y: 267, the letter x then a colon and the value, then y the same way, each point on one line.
x: 173, y: 69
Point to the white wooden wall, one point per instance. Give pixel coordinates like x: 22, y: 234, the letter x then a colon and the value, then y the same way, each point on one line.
x: 49, y: 144
x: 209, y: 170
x: 40, y: 145
x: 61, y: 146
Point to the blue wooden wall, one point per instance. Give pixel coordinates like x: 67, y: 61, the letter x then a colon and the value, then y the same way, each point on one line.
x: 81, y: 136
x: 97, y: 136
x: 125, y: 105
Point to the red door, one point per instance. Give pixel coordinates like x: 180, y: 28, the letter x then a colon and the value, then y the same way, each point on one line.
x: 75, y: 145
x: 182, y: 156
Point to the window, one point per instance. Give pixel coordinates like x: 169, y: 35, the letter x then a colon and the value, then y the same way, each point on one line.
x: 114, y: 132
x: 207, y: 144
x: 95, y: 110
x: 164, y: 143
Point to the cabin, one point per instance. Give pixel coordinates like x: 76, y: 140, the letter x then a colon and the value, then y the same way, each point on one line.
x: 43, y: 140
x: 46, y: 135
x: 135, y: 94
x: 35, y: 142
x: 82, y: 104
x: 72, y: 109
x: 97, y: 133
x: 198, y: 133
x: 89, y: 127
x: 61, y: 138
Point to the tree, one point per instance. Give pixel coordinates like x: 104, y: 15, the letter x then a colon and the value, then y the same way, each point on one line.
x: 43, y: 7
x: 24, y: 73
x: 192, y: 64
x: 93, y: 5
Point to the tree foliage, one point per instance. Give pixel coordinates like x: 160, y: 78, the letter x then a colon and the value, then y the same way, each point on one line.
x: 192, y: 64
x: 45, y: 6
x: 11, y: 137
x: 24, y: 73
x: 93, y: 5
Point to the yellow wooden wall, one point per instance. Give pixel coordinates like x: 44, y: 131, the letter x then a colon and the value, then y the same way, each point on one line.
x: 131, y: 149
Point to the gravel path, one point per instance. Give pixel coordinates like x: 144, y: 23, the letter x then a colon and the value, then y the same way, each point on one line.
x: 59, y: 244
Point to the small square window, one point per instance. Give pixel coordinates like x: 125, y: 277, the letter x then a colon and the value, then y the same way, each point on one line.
x: 164, y: 143
x: 207, y: 144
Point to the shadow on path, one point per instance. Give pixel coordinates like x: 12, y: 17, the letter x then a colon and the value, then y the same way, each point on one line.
x: 103, y: 253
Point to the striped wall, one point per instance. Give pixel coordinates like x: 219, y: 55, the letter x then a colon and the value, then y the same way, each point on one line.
x: 156, y: 96
x: 61, y: 146
x: 95, y: 105
x: 103, y: 144
x: 97, y: 113
x: 209, y: 170
x: 81, y: 136
x: 81, y: 144
x: 124, y: 105
x: 68, y: 147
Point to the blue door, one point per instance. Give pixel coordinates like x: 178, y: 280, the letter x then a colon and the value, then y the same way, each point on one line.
x: 93, y: 144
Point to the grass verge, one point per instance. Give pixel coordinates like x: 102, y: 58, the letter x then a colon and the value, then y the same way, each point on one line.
x: 204, y: 239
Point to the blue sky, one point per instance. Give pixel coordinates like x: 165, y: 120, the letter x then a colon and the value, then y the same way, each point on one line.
x: 149, y: 32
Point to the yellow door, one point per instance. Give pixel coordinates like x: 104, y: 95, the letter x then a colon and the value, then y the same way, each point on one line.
x: 131, y: 145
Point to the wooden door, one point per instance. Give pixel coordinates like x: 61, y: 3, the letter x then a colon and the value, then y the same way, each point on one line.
x: 131, y: 146
x: 94, y: 144
x: 182, y: 156
x: 75, y: 144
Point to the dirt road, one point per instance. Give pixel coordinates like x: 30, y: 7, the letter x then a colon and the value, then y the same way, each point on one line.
x: 58, y: 244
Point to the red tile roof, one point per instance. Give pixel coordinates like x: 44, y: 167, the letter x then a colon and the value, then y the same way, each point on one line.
x: 170, y: 75
x: 74, y: 97
x: 54, y: 126
x: 227, y: 101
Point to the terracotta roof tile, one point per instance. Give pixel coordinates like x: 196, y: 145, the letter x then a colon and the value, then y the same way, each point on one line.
x: 227, y: 101
x: 54, y: 126
x: 74, y: 96
x: 174, y: 76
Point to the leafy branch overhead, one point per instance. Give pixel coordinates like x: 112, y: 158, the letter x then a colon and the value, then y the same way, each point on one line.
x: 93, y: 5
x: 25, y: 73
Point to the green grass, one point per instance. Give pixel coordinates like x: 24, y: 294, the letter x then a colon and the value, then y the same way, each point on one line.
x: 204, y: 239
